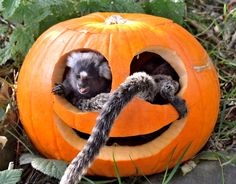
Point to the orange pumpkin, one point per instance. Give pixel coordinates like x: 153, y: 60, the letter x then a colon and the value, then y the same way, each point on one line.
x: 50, y: 120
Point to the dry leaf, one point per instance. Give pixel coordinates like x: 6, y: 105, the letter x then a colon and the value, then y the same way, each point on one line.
x: 4, y: 93
x: 3, y: 141
x: 188, y: 167
x: 231, y: 5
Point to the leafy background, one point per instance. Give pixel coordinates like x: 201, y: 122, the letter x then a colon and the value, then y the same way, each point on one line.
x: 30, y: 18
x: 213, y: 22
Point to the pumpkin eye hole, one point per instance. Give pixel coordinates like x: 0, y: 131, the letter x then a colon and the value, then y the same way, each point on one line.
x: 88, y: 60
x: 153, y: 64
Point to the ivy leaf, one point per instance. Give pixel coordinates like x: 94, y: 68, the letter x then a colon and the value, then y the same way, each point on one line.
x: 28, y: 12
x: 5, y: 54
x: 21, y: 40
x: 9, y: 7
x: 1, y: 8
x: 10, y: 176
x: 27, y: 158
x: 172, y: 9
x: 53, y: 168
x: 3, y: 29
x: 60, y: 10
x: 123, y: 6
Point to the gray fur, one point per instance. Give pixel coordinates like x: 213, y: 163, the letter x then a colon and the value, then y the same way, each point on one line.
x: 139, y: 84
x: 89, y: 74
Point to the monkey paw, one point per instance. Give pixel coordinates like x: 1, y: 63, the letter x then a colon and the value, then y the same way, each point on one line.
x: 59, y: 89
x: 180, y: 106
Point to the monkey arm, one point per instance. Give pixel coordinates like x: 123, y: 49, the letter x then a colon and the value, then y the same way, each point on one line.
x: 93, y: 104
x: 58, y: 89
x: 62, y: 89
x: 167, y: 89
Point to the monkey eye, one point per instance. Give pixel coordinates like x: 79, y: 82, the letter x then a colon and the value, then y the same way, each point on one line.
x: 78, y: 76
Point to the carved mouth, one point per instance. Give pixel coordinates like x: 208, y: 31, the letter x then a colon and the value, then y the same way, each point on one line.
x: 84, y: 90
x: 131, y: 140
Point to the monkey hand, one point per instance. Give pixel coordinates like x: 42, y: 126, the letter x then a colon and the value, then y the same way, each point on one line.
x: 180, y: 105
x: 59, y: 89
x: 168, y: 89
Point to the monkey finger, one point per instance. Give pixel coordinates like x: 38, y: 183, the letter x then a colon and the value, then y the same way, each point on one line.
x: 58, y: 89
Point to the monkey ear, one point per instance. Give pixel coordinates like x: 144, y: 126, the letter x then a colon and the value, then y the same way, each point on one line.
x: 104, y: 71
x: 72, y: 59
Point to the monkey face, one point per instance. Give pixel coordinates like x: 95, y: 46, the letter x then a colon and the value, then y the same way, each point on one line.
x: 87, y: 83
x: 89, y: 74
x: 83, y: 80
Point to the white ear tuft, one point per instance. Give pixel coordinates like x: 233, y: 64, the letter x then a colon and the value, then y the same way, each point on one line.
x: 72, y: 59
x: 104, y: 71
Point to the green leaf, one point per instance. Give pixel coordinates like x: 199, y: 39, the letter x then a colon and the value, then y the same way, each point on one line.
x: 2, y: 113
x: 3, y: 29
x: 9, y: 7
x: 1, y: 7
x: 10, y: 176
x: 123, y: 6
x: 27, y: 158
x: 53, y: 168
x: 21, y: 40
x: 29, y: 12
x: 5, y: 54
x: 172, y: 9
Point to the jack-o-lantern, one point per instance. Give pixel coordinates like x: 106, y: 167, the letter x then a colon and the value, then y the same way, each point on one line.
x: 53, y: 123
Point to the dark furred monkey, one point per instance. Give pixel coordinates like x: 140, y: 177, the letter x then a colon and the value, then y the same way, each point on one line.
x: 88, y: 75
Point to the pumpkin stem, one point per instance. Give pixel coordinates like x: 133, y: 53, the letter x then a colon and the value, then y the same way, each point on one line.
x: 115, y: 19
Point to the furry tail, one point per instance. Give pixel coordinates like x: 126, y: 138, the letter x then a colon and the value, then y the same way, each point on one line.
x: 139, y: 84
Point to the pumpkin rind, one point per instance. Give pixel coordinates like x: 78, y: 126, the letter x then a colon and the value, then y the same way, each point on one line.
x: 49, y: 119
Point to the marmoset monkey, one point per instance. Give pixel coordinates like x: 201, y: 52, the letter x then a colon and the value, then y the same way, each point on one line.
x: 88, y: 75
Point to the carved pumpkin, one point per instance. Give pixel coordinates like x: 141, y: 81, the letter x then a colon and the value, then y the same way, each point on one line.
x: 51, y: 121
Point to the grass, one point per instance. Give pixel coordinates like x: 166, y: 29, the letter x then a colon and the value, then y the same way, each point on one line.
x: 224, y: 57
x: 166, y: 179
